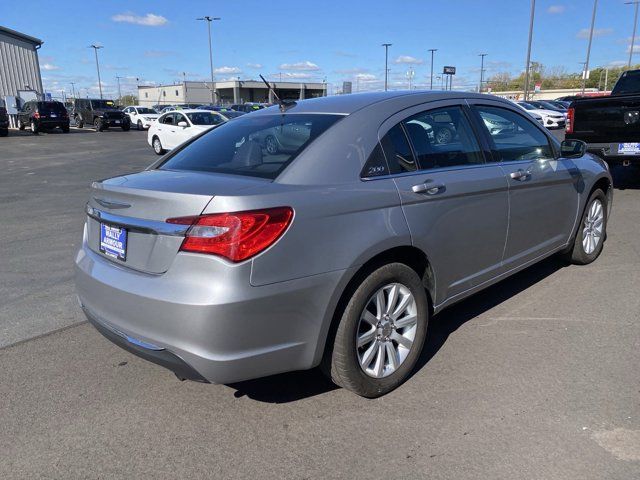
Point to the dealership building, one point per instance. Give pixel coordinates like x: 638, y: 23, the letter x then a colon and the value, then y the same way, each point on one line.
x: 227, y: 92
x: 19, y: 65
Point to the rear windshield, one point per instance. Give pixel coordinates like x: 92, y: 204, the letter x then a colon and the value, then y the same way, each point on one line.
x: 102, y: 104
x: 629, y: 82
x: 204, y: 118
x: 48, y: 107
x: 257, y: 146
x: 144, y: 110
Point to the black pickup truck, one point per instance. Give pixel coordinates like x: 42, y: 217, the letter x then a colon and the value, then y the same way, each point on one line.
x: 610, y: 125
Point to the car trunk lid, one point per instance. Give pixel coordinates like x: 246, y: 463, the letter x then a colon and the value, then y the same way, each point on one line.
x: 141, y: 203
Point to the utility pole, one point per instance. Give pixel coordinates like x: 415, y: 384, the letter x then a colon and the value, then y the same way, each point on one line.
x: 95, y: 49
x: 606, y: 78
x: 526, y: 70
x: 214, y: 92
x: 586, y: 64
x: 482, y: 55
x: 119, y: 92
x: 386, y: 63
x: 432, y: 50
x: 635, y: 22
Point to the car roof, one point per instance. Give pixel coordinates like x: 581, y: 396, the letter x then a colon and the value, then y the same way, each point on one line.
x: 192, y: 110
x: 347, y: 104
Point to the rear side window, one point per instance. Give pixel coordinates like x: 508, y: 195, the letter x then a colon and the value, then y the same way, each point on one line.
x: 515, y: 138
x: 443, y: 138
x: 398, y: 151
x: 253, y: 145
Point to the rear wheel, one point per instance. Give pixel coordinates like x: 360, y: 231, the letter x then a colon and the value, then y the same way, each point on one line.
x: 33, y: 126
x: 592, y: 232
x: 65, y: 128
x: 98, y: 124
x: 20, y: 125
x: 157, y: 146
x: 126, y: 127
x: 381, y: 332
x: 443, y: 135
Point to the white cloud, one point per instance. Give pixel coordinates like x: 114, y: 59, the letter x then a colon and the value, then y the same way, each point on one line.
x: 597, y: 32
x: 409, y: 60
x: 618, y: 63
x: 50, y: 66
x: 148, y: 20
x: 227, y: 70
x: 254, y: 65
x: 304, y: 66
x: 366, y: 77
x: 556, y: 9
x: 636, y: 48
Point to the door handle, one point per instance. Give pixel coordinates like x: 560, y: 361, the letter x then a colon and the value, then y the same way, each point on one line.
x: 428, y: 188
x: 520, y: 175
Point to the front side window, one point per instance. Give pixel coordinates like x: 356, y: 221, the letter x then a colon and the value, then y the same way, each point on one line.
x: 168, y: 119
x: 443, y: 138
x: 515, y: 138
x: 258, y: 146
x: 180, y: 118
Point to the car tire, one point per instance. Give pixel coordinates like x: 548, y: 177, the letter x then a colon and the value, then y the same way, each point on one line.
x: 140, y: 126
x: 592, y: 232
x: 79, y: 122
x: 98, y: 124
x: 271, y: 145
x: 21, y: 125
x: 33, y: 126
x: 443, y: 135
x: 157, y: 146
x: 366, y: 356
x: 126, y: 127
x: 65, y: 128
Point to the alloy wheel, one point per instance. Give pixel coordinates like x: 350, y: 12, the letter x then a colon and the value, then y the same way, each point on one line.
x: 593, y: 227
x: 386, y: 330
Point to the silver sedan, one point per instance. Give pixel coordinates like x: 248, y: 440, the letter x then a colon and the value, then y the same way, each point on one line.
x: 232, y: 258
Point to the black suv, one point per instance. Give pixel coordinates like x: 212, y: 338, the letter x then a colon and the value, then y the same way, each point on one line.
x: 102, y: 114
x: 39, y: 116
x: 4, y: 120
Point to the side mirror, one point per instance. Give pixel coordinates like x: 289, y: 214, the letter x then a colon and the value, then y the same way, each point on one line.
x: 183, y: 124
x: 573, y: 148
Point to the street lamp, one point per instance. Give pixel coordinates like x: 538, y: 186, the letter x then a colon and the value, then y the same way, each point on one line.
x: 386, y: 63
x: 526, y: 70
x: 482, y: 55
x: 586, y: 64
x: 208, y: 19
x: 635, y: 21
x: 95, y: 49
x: 119, y: 92
x: 432, y: 50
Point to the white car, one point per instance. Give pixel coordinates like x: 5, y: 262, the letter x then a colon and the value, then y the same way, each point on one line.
x: 176, y: 127
x: 141, y: 117
x: 550, y: 118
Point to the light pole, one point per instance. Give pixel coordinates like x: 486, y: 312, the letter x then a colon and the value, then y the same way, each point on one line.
x: 410, y: 74
x: 635, y: 21
x: 386, y: 63
x: 586, y: 64
x: 208, y: 19
x: 73, y: 90
x: 432, y: 50
x: 95, y: 49
x: 119, y: 92
x: 482, y: 55
x: 526, y: 70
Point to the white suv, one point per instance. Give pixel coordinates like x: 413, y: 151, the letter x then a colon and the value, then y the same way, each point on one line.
x: 141, y: 117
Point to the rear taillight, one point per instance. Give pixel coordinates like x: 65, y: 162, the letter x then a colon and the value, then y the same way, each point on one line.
x: 36, y: 115
x: 570, y: 115
x: 235, y: 236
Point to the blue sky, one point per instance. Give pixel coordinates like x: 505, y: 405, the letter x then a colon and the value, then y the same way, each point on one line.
x: 156, y: 41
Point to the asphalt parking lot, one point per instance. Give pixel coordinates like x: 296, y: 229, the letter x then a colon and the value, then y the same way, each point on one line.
x: 535, y: 378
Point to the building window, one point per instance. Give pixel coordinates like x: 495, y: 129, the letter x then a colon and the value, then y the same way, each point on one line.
x: 146, y: 95
x: 164, y: 94
x: 176, y: 93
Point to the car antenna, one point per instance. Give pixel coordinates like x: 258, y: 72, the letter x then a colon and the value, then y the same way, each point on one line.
x: 284, y: 104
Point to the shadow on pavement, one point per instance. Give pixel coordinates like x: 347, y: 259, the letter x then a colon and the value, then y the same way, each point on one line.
x: 290, y: 387
x: 626, y: 177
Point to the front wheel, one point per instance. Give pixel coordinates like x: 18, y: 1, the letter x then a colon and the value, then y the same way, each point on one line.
x: 157, y: 146
x: 381, y: 332
x: 592, y: 232
x: 140, y: 126
x: 79, y: 122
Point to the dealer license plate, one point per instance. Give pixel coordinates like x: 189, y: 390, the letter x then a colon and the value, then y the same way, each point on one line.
x: 113, y: 241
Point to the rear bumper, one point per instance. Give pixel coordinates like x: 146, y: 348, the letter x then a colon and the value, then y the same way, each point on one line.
x: 205, y: 313
x: 53, y: 123
x: 607, y: 152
